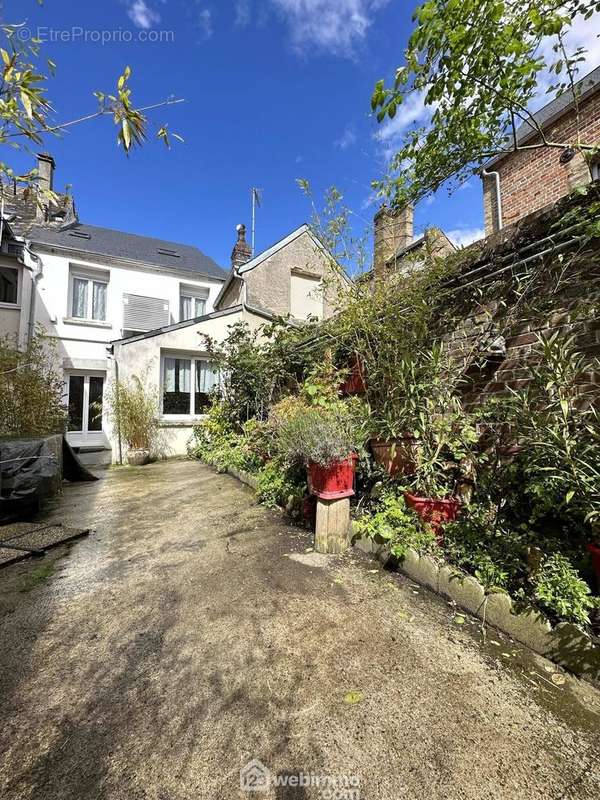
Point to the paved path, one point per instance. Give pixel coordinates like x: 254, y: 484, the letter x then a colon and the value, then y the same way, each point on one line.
x: 192, y: 633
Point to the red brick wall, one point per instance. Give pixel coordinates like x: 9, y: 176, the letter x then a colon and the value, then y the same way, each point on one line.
x: 563, y: 295
x: 533, y: 179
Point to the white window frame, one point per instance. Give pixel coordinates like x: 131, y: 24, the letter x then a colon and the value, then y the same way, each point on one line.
x: 596, y: 170
x: 194, y: 359
x: 192, y: 293
x: 17, y: 303
x: 91, y: 277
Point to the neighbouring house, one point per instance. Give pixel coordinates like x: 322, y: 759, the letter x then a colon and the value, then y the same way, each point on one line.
x: 87, y: 286
x: 395, y: 247
x: 518, y: 183
x: 296, y: 277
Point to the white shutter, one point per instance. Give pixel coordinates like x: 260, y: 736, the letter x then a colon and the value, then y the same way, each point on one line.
x: 144, y: 313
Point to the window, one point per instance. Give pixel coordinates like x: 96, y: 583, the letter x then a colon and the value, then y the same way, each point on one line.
x: 306, y: 296
x: 9, y: 283
x: 192, y: 302
x: 596, y: 170
x: 179, y: 375
x: 88, y: 297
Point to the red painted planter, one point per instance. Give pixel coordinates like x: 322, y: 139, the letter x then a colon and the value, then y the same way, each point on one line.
x: 332, y: 482
x: 434, y: 512
x: 355, y: 382
x: 594, y: 549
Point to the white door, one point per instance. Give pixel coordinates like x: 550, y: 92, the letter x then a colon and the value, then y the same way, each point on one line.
x: 85, y: 392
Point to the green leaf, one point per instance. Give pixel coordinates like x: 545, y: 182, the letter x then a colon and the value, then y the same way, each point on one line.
x: 353, y: 697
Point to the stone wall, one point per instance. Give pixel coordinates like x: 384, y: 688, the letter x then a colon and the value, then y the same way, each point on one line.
x: 269, y: 283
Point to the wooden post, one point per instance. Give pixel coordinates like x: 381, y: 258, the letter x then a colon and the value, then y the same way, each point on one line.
x: 333, y: 525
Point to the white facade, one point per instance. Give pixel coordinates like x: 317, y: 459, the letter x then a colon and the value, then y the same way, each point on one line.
x: 85, y: 302
x: 155, y: 357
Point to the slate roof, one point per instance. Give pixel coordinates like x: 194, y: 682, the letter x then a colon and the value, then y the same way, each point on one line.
x: 144, y: 249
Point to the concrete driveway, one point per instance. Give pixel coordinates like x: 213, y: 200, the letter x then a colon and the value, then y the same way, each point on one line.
x: 192, y: 633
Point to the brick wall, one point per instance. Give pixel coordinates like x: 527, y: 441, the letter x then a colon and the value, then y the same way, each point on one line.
x: 533, y: 179
x: 563, y: 295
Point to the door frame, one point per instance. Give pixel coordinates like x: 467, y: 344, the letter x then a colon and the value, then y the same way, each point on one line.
x: 85, y: 437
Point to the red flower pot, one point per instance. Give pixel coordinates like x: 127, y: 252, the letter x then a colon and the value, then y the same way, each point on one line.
x: 594, y: 549
x: 434, y: 512
x: 332, y: 482
x: 397, y: 456
x: 355, y: 382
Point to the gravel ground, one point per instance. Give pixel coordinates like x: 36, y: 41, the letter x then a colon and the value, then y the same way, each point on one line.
x: 192, y: 632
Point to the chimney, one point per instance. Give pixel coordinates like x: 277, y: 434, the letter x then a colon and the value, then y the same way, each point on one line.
x: 242, y: 252
x: 393, y: 231
x: 45, y: 182
x: 45, y: 167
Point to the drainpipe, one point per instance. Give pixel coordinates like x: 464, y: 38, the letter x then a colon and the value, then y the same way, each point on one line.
x: 36, y: 274
x: 496, y: 176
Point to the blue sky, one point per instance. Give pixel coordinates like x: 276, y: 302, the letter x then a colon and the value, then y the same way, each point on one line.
x: 274, y: 90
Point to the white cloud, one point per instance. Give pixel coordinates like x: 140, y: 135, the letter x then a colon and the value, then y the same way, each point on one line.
x: 243, y: 13
x: 205, y: 22
x: 464, y: 236
x: 334, y: 26
x: 412, y: 113
x: 142, y: 15
x: 347, y: 139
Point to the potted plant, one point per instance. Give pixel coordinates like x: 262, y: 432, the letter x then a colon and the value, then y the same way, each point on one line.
x: 324, y: 438
x: 446, y: 438
x: 132, y: 408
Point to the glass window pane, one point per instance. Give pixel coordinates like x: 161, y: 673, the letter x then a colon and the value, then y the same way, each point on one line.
x: 95, y: 404
x: 8, y: 285
x: 185, y: 308
x: 177, y: 396
x: 76, y: 402
x: 200, y: 306
x: 80, y: 294
x: 99, y: 301
x: 206, y: 379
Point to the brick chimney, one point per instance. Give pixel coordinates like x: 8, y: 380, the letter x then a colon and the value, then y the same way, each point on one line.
x: 393, y: 231
x: 242, y: 252
x: 45, y: 181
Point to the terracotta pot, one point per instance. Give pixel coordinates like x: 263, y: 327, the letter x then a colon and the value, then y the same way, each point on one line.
x: 434, y: 511
x: 138, y: 457
x: 396, y: 456
x: 594, y: 549
x: 332, y: 482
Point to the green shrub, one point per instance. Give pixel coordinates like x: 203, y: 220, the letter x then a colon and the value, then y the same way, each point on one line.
x: 277, y: 483
x: 485, y: 546
x: 560, y: 590
x: 31, y: 389
x: 133, y: 407
x: 216, y: 443
x: 398, y: 526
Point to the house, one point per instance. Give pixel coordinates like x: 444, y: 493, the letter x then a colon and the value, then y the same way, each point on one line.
x: 119, y: 305
x: 518, y: 183
x: 395, y: 248
x: 87, y: 286
x: 296, y: 277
